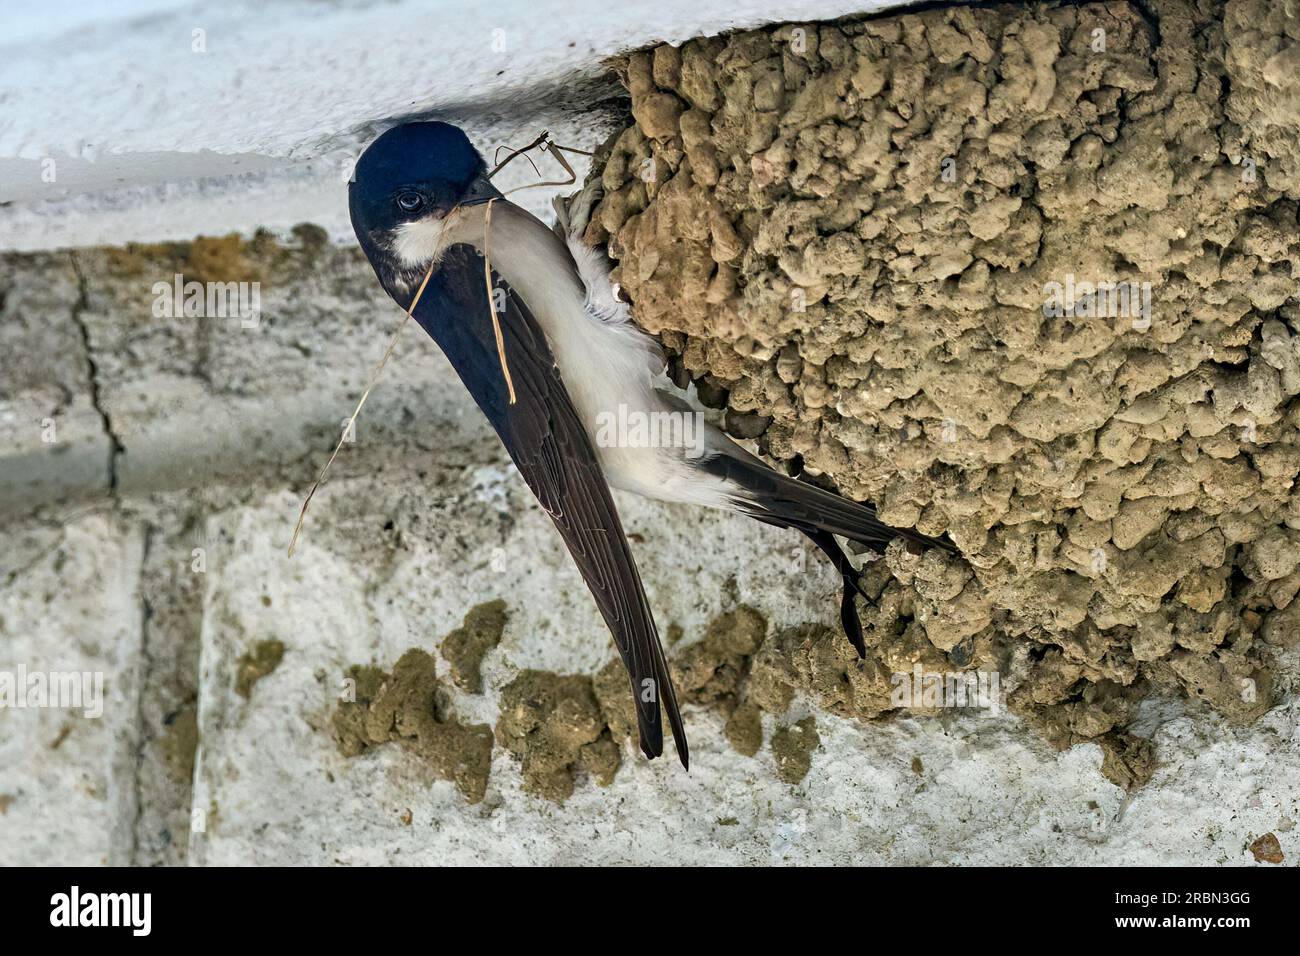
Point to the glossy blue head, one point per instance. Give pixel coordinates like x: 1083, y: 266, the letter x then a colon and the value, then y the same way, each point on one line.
x: 405, y: 184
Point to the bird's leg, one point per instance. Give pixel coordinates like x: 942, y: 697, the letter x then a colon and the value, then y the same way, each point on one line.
x: 852, y: 587
x: 573, y: 212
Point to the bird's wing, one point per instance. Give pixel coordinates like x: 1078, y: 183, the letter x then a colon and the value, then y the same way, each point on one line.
x: 549, y: 445
x: 766, y: 494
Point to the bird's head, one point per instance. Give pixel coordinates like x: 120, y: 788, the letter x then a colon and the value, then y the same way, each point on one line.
x: 407, y: 186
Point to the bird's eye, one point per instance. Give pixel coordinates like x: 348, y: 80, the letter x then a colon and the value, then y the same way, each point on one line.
x: 409, y: 202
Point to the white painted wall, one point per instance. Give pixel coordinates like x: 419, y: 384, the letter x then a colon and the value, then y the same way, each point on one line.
x: 152, y: 140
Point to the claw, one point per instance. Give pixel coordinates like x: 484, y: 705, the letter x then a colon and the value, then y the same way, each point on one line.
x: 573, y: 212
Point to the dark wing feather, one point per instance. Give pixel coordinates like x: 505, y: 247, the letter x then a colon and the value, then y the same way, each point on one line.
x: 549, y: 445
x: 781, y: 500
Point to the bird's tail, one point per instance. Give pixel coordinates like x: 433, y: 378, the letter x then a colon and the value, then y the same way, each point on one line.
x: 781, y: 500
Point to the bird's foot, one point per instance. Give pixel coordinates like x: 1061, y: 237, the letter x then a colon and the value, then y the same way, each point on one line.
x: 573, y: 213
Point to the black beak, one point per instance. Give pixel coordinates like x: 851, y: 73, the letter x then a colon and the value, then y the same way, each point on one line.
x: 480, y: 191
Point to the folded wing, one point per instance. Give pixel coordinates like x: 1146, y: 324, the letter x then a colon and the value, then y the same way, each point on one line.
x: 550, y: 446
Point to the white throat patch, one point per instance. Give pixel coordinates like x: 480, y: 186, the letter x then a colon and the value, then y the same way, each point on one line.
x: 419, y: 242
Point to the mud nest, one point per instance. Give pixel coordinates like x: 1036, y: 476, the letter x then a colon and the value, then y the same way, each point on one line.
x: 851, y: 232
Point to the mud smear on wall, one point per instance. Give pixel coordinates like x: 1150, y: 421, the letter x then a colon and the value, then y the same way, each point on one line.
x: 555, y: 725
x: 465, y: 647
x: 411, y: 707
x: 562, y: 725
x: 880, y: 235
x: 255, y: 663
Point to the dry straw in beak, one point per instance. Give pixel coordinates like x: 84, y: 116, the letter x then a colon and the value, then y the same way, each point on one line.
x: 374, y: 377
x: 492, y: 303
x: 541, y: 142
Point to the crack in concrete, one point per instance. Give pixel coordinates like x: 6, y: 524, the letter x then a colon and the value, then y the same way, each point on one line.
x: 116, y: 448
x: 146, y: 671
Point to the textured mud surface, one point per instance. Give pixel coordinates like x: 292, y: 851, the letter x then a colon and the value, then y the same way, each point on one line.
x: 257, y: 662
x: 567, y: 727
x: 859, y: 235
x: 465, y: 647
x: 554, y: 724
x: 561, y: 725
x: 410, y: 706
x: 1267, y: 849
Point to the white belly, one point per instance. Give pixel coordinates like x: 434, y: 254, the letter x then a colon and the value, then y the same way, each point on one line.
x: 609, y: 367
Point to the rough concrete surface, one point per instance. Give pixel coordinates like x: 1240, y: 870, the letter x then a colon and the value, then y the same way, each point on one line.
x: 427, y: 680
x: 67, y: 780
x: 988, y: 792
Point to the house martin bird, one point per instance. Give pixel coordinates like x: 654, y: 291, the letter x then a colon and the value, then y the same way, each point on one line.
x: 573, y: 354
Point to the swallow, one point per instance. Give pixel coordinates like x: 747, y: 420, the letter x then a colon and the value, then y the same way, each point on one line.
x: 568, y: 356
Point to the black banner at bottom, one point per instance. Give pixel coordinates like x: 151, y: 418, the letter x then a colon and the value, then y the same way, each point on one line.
x: 340, y: 906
